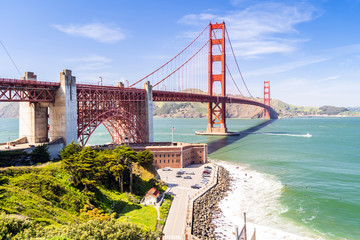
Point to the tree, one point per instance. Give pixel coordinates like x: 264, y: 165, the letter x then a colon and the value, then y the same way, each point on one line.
x: 40, y: 154
x: 82, y: 167
x: 116, y: 166
x: 145, y: 157
x: 70, y: 149
x: 126, y: 155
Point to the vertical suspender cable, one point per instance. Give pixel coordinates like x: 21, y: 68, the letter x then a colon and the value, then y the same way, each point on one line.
x: 238, y: 64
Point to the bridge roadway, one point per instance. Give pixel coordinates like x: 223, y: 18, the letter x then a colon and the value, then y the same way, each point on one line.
x: 38, y: 91
x: 181, y: 189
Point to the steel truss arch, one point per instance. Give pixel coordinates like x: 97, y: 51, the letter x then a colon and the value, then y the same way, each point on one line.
x: 119, y: 123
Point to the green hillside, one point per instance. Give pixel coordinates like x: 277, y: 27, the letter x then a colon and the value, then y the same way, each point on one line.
x: 81, y: 192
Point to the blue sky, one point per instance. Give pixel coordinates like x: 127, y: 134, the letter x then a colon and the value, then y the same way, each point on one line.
x: 309, y: 50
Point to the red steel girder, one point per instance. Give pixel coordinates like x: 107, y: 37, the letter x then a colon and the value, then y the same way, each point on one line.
x: 166, y: 96
x: 14, y: 90
x: 121, y: 110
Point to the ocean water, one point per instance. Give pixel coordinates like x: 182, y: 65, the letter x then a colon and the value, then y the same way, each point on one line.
x: 296, y: 178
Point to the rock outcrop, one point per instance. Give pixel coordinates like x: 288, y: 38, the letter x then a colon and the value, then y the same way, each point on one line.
x: 206, y: 206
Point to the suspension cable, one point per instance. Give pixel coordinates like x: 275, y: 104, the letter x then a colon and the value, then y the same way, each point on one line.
x: 172, y: 58
x: 227, y: 67
x: 11, y: 59
x: 227, y: 34
x: 182, y: 64
x: 188, y: 59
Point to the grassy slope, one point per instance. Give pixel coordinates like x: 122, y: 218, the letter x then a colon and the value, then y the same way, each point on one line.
x: 45, y: 195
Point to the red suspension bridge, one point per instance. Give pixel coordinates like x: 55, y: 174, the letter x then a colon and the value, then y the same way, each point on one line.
x: 73, y: 111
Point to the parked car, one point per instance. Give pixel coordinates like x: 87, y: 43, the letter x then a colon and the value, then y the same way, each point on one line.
x: 206, y: 175
x: 181, y: 172
x: 208, y: 167
x: 204, y: 180
x: 190, y: 173
x: 187, y: 177
x: 196, y: 186
x: 178, y: 176
x: 166, y: 169
x: 207, y: 171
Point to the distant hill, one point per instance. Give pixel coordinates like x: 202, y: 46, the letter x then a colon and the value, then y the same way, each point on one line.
x: 282, y: 109
x: 354, y: 109
x: 9, y: 110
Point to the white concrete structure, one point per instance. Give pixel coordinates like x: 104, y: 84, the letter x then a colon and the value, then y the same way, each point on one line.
x: 33, y: 118
x: 152, y: 197
x: 150, y: 124
x: 63, y: 114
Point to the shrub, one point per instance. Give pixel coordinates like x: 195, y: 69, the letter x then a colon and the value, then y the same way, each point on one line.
x: 69, y: 150
x: 12, y: 225
x: 40, y: 154
x: 94, y: 229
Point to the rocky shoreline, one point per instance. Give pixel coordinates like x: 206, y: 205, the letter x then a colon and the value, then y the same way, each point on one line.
x: 206, y: 207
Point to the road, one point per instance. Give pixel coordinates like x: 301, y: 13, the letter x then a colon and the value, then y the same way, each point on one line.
x: 181, y: 189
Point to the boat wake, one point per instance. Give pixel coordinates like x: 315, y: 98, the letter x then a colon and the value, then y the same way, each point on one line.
x: 280, y: 134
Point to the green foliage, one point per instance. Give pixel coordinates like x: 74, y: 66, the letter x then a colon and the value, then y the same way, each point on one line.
x: 13, y: 157
x: 3, y: 180
x: 145, y: 157
x: 168, y: 108
x: 165, y: 207
x: 71, y: 149
x: 80, y: 189
x: 95, y: 229
x: 143, y: 216
x: 41, y: 193
x: 82, y: 167
x: 45, y: 186
x: 40, y: 154
x: 12, y: 225
x: 331, y: 110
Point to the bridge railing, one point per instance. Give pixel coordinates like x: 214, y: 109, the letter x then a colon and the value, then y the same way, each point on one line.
x: 18, y: 82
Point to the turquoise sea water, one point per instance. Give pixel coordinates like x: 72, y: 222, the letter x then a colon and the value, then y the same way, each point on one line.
x: 320, y: 174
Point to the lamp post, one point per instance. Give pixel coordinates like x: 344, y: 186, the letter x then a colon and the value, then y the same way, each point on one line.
x: 126, y: 140
x: 172, y: 134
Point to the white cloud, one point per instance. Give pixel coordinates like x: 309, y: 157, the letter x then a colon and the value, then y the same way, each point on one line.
x: 96, y: 31
x: 193, y: 19
x: 91, y: 62
x: 288, y: 66
x: 329, y: 78
x: 262, y: 28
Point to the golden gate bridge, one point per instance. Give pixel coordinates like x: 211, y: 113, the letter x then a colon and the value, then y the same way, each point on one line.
x: 73, y: 111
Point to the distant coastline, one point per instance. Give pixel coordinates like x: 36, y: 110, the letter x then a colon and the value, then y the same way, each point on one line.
x: 199, y: 110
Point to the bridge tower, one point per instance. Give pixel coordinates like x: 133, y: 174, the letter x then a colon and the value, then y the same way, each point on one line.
x: 217, y: 111
x: 267, y: 99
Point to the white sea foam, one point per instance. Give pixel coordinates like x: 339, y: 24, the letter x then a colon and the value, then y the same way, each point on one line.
x: 258, y: 195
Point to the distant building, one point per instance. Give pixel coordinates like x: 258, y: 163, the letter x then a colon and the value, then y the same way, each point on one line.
x: 174, y: 155
x: 151, y: 197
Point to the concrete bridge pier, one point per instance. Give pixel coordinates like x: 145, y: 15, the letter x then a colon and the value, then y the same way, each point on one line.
x: 149, y: 105
x: 63, y: 112
x: 33, y: 118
